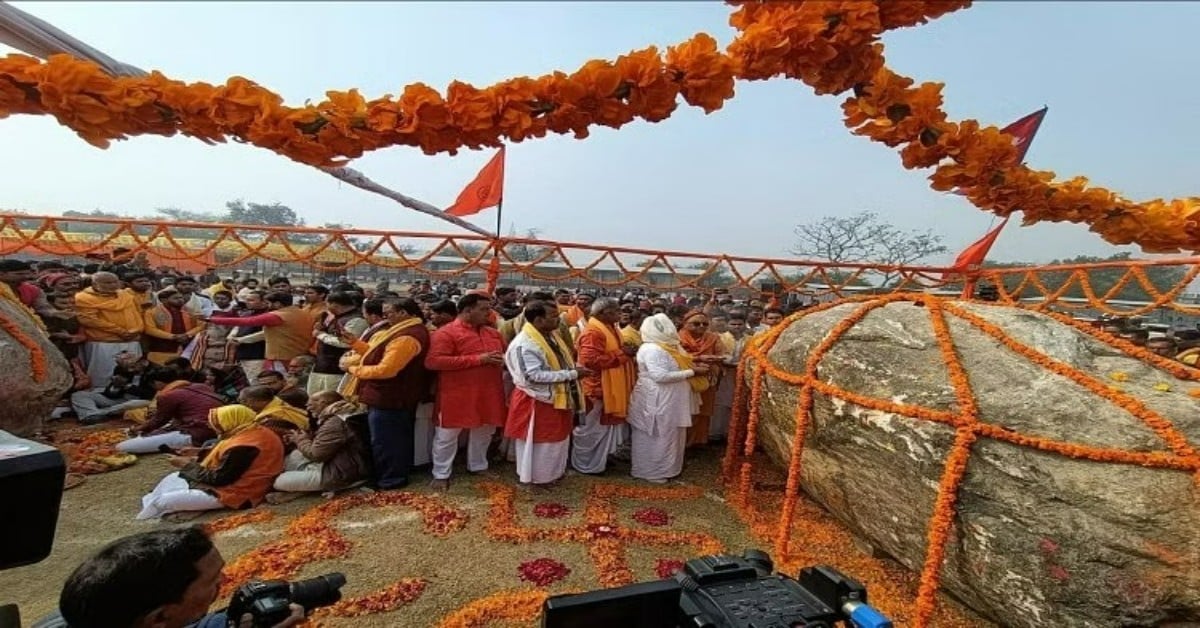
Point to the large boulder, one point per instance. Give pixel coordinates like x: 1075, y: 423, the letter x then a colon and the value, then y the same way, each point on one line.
x: 1039, y: 539
x: 26, y: 403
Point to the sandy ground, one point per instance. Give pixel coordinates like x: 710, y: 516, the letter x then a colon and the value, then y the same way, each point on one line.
x: 388, y: 542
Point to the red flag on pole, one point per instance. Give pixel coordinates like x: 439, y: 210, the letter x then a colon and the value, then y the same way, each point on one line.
x: 973, y: 256
x: 1022, y: 132
x: 486, y: 190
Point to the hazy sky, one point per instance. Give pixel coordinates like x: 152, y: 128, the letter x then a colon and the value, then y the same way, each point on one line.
x: 1118, y: 77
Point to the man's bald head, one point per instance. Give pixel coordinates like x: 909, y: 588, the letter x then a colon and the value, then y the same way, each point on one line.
x: 105, y: 283
x: 318, y: 402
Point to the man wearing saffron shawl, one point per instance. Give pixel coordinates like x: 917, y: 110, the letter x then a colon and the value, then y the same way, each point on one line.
x: 273, y: 412
x: 168, y: 326
x: 705, y: 347
x: 545, y: 397
x: 236, y: 473
x: 112, y: 321
x: 664, y: 398
x: 577, y: 315
x: 606, y: 389
x: 468, y: 357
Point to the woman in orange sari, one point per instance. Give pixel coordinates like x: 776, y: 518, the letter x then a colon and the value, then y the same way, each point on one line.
x: 706, y: 347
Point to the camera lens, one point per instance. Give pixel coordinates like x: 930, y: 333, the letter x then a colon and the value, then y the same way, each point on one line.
x: 760, y: 560
x: 320, y: 591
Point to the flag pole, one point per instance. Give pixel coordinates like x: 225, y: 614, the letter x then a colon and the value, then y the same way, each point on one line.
x: 499, y: 217
x: 493, y: 272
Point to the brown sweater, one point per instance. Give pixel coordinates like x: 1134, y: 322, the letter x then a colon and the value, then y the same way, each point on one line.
x: 338, y: 447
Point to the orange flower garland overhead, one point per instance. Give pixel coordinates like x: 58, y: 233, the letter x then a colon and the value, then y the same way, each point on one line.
x: 831, y: 46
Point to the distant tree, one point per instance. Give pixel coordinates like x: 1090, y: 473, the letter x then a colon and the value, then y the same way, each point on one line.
x: 357, y: 243
x: 832, y: 277
x: 865, y: 238
x: 183, y: 215
x: 401, y: 248
x: 720, y: 277
x: 22, y: 223
x: 523, y: 251
x: 90, y: 227
x: 469, y: 250
x: 273, y: 215
x: 1101, y: 280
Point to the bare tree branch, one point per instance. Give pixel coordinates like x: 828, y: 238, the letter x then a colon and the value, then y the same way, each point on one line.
x: 864, y: 238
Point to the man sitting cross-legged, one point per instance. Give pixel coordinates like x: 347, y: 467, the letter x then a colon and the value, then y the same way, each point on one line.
x: 334, y: 458
x: 236, y: 473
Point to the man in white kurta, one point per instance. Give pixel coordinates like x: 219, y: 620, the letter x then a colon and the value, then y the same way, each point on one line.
x: 545, y: 397
x: 660, y: 410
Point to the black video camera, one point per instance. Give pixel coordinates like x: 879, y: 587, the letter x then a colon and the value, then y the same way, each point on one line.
x: 31, y: 481
x: 269, y: 602
x: 723, y: 592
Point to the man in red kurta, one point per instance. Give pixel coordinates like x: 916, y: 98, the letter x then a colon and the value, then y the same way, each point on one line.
x: 468, y: 357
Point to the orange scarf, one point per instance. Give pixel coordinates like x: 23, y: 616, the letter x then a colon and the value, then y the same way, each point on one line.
x: 706, y: 344
x: 162, y: 319
x: 616, y: 384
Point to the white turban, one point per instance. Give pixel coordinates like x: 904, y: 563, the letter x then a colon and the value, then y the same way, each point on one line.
x: 659, y: 329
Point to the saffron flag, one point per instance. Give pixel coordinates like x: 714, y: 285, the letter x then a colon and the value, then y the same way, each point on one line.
x: 973, y: 256
x: 1022, y: 132
x: 486, y: 190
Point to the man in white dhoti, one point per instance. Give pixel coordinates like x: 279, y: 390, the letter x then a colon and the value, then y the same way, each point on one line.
x: 545, y: 397
x: 663, y: 401
x: 112, y: 321
x: 606, y: 390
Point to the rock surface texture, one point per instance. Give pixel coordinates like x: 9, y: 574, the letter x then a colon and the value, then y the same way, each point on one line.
x: 25, y: 403
x: 1038, y: 539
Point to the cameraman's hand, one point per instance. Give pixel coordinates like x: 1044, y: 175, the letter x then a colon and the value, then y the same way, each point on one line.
x: 295, y: 619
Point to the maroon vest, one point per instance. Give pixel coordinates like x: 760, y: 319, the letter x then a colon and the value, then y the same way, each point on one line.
x: 408, y: 388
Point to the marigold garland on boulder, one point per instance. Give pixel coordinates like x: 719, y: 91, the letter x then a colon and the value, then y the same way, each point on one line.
x: 1180, y: 454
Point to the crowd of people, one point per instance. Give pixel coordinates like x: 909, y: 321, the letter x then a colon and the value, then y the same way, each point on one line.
x: 1178, y: 344
x: 268, y: 390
